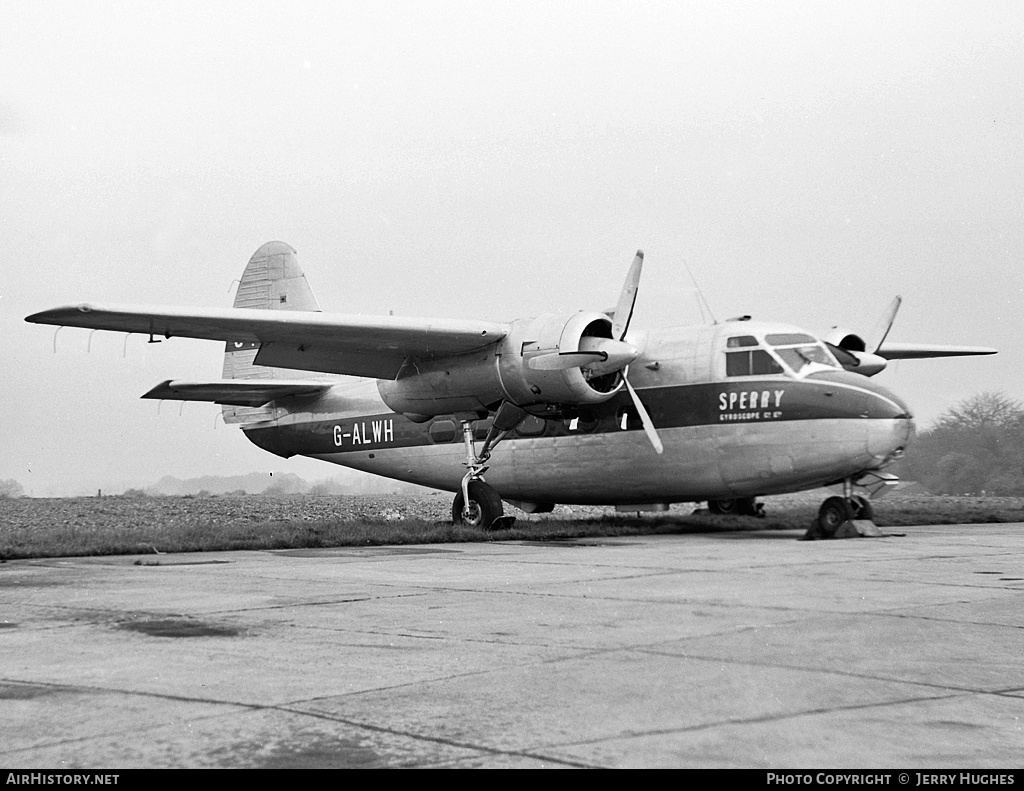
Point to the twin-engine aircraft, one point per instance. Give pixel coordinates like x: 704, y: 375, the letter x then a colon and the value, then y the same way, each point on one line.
x: 576, y: 408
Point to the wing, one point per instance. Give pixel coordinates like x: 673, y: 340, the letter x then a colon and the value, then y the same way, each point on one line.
x: 374, y: 346
x: 235, y: 392
x: 917, y: 351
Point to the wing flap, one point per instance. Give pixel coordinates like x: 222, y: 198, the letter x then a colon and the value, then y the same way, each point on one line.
x: 235, y: 392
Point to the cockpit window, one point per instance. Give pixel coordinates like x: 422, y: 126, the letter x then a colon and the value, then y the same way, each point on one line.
x: 797, y: 357
x: 799, y: 350
x: 755, y: 362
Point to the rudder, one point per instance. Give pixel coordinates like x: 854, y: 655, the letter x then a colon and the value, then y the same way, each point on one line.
x: 272, y: 280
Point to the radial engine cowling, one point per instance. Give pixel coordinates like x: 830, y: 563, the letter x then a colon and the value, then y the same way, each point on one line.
x: 532, y: 367
x: 581, y: 364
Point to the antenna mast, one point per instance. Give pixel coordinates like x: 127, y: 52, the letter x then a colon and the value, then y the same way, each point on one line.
x: 701, y: 301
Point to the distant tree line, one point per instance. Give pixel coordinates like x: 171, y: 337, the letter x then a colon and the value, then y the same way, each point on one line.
x: 976, y: 446
x: 10, y: 488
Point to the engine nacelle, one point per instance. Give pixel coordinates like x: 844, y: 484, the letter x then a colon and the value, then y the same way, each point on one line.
x: 478, y: 382
x: 851, y: 352
x: 846, y: 339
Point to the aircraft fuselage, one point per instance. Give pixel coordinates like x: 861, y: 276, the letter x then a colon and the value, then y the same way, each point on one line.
x: 728, y: 430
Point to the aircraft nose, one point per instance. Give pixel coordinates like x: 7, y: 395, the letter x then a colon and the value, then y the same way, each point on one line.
x: 891, y: 437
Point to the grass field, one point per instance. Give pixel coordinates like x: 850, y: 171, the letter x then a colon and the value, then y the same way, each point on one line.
x: 35, y: 528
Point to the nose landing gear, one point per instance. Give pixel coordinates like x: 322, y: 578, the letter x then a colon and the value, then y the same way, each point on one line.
x: 848, y: 516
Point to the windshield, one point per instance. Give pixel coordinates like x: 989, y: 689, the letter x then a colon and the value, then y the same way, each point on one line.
x: 799, y: 350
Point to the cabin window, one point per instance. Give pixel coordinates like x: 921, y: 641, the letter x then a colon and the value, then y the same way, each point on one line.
x: 442, y: 431
x: 755, y: 362
x: 482, y: 428
x: 739, y: 341
x: 583, y: 423
x: 627, y: 418
x: 532, y: 426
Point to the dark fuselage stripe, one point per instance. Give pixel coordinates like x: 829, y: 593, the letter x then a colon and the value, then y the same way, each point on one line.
x: 728, y: 402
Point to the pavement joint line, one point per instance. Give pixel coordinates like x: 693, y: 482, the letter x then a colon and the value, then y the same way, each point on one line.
x: 436, y: 739
x: 756, y: 720
x: 937, y: 619
x: 289, y: 708
x: 953, y: 689
x: 293, y: 605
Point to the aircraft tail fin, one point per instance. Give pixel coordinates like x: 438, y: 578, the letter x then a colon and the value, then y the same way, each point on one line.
x: 272, y: 280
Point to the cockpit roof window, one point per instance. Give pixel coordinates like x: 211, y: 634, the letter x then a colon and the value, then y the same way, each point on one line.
x: 788, y: 338
x: 739, y: 341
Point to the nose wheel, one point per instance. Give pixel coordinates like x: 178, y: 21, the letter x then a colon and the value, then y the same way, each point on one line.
x: 832, y: 514
x: 844, y: 517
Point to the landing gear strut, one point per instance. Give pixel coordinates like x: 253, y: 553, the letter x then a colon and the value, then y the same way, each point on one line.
x: 477, y: 504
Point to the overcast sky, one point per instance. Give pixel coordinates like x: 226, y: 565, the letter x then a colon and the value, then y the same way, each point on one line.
x: 808, y: 161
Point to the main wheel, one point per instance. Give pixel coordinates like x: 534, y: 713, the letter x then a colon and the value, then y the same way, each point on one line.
x: 833, y: 512
x: 483, y: 508
x: 739, y: 506
x: 862, y: 508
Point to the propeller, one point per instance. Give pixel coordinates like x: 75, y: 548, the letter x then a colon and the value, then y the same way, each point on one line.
x: 881, y: 330
x: 852, y: 351
x: 601, y: 356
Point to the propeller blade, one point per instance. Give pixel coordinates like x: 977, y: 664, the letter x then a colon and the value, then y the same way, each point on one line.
x: 563, y: 361
x: 881, y: 330
x: 627, y: 298
x: 652, y: 433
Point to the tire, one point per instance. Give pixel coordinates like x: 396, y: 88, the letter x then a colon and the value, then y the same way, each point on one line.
x: 484, y: 506
x: 862, y: 508
x: 739, y: 506
x: 833, y: 512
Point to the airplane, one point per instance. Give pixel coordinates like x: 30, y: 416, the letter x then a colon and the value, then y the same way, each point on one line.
x: 573, y: 408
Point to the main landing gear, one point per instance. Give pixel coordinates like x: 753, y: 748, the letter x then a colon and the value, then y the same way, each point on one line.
x: 477, y: 504
x: 737, y: 506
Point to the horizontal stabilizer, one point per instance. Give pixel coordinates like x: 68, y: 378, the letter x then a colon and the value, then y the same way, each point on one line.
x: 235, y: 392
x: 920, y: 351
x: 374, y: 346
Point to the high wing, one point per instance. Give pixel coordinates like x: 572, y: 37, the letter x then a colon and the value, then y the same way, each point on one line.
x: 374, y: 346
x: 235, y: 392
x: 920, y: 351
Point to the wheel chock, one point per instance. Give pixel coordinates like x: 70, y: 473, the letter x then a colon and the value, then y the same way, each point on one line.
x: 856, y: 528
x: 503, y: 523
x: 851, y: 528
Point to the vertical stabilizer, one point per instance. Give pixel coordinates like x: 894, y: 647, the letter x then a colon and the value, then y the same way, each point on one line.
x: 272, y: 280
